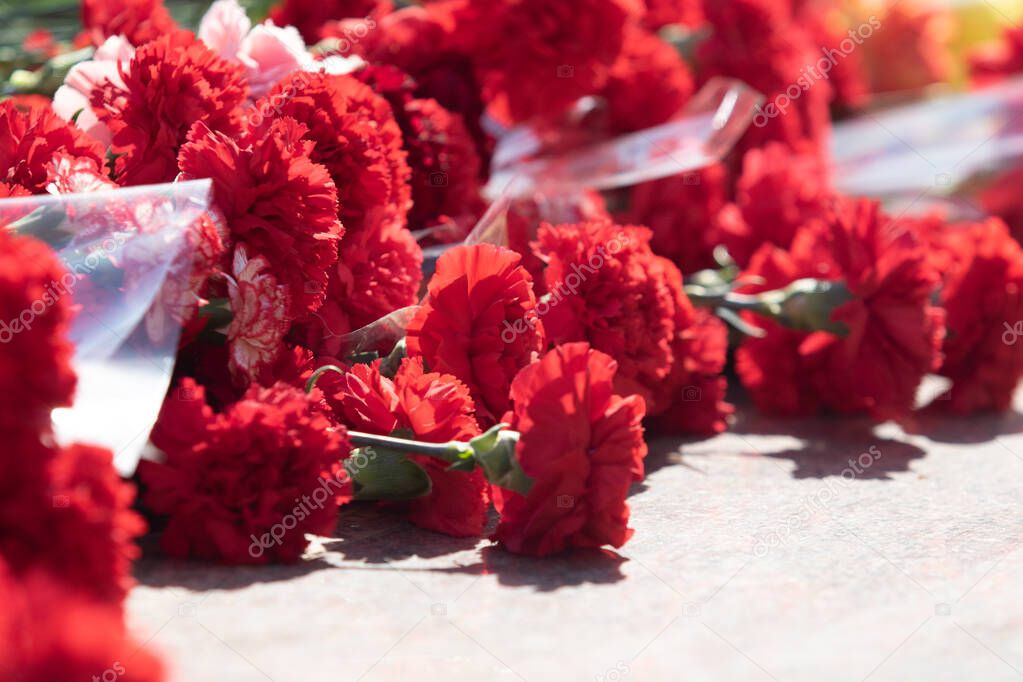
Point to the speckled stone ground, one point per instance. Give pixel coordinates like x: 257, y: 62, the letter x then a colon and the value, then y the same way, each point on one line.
x: 762, y: 554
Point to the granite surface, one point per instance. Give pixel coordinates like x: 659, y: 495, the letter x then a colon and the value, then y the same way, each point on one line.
x: 808, y: 550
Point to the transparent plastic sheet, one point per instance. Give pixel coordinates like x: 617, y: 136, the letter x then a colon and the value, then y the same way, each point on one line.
x: 706, y: 131
x: 938, y: 153
x: 128, y: 260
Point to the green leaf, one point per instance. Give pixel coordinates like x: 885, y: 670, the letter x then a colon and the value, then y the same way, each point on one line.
x: 382, y: 474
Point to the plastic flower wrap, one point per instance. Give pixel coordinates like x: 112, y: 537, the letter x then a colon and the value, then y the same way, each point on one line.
x: 128, y: 255
x: 965, y: 150
x: 704, y: 132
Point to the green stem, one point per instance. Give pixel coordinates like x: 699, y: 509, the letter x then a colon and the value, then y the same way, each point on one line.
x: 453, y: 451
x: 311, y: 384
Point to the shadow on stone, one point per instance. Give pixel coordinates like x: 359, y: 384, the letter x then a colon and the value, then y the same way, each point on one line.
x: 943, y: 427
x: 546, y: 574
x: 156, y: 570
x: 868, y: 457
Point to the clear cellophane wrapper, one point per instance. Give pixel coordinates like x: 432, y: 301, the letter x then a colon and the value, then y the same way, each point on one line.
x: 128, y: 256
x: 961, y: 154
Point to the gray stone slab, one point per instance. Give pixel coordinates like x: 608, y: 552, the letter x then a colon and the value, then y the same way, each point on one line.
x: 761, y: 554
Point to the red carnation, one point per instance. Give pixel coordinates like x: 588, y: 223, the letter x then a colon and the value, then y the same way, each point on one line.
x: 770, y: 368
x: 275, y: 200
x: 356, y: 138
x: 680, y: 212
x: 35, y: 312
x: 691, y: 399
x: 419, y: 41
x: 479, y: 323
x: 999, y: 61
x: 310, y: 16
x: 246, y: 485
x: 428, y: 407
x: 441, y: 153
x: 894, y: 333
x: 170, y: 84
x: 830, y: 26
x: 376, y: 274
x: 538, y: 57
x: 982, y: 293
x: 140, y: 21
x: 757, y: 42
x: 910, y: 46
x: 581, y: 444
x: 60, y: 503
x: 648, y: 85
x: 51, y: 632
x: 30, y: 139
x: 91, y: 519
x: 661, y: 13
x: 778, y: 193
x: 609, y: 289
x: 526, y: 214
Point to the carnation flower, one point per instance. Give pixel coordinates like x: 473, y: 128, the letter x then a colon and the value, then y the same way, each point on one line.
x: 778, y: 193
x: 73, y: 99
x: 479, y: 323
x: 648, y: 84
x: 661, y: 13
x: 428, y: 407
x: 246, y: 485
x: 309, y: 16
x: 893, y: 332
x: 29, y: 140
x: 910, y: 47
x: 757, y: 42
x: 1001, y: 197
x: 259, y: 320
x: 139, y: 21
x: 267, y: 53
x: 59, y: 503
x: 992, y: 63
x: 770, y: 368
x: 90, y: 519
x: 680, y: 212
x: 582, y: 445
x: 691, y: 399
x: 53, y: 632
x: 35, y: 312
x: 536, y: 58
x: 170, y: 84
x: 76, y: 175
x: 419, y: 41
x: 526, y: 214
x: 441, y: 153
x: 607, y: 288
x: 830, y: 26
x: 356, y: 138
x: 982, y: 293
x: 275, y: 200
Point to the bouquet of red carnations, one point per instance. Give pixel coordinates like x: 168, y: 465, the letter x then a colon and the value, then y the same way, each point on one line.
x: 452, y: 258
